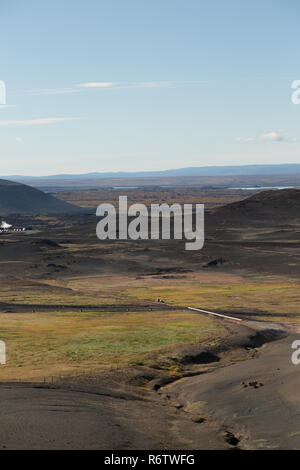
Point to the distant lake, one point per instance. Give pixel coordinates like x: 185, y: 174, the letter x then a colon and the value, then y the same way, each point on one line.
x: 241, y: 188
x: 126, y: 187
x: 262, y: 187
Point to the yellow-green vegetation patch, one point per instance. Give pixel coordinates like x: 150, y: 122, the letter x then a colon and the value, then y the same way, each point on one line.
x: 85, y: 292
x: 71, y: 298
x: 87, y: 341
x: 268, y: 297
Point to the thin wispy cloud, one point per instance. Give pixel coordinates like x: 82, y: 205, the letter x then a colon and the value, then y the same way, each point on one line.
x: 153, y: 84
x: 112, y: 85
x: 150, y: 84
x: 37, y: 122
x: 52, y: 91
x: 125, y: 85
x: 97, y: 85
x: 274, y: 136
x: 7, y: 106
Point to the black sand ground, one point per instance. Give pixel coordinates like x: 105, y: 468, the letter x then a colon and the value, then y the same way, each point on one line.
x: 94, y: 418
x: 257, y: 400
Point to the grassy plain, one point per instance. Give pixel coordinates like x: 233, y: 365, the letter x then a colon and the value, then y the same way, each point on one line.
x: 73, y: 341
x: 54, y: 343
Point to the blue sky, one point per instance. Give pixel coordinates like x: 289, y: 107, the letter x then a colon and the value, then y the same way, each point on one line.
x: 142, y: 85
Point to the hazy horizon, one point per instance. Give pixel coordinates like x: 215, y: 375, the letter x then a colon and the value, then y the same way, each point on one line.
x: 211, y: 170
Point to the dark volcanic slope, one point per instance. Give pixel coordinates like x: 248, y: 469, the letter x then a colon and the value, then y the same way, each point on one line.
x: 16, y: 198
x: 268, y: 208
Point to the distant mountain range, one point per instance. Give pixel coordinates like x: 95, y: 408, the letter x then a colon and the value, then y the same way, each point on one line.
x: 190, y: 171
